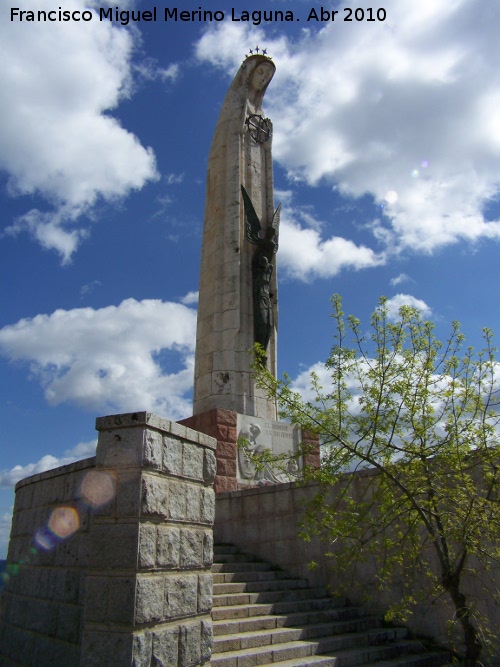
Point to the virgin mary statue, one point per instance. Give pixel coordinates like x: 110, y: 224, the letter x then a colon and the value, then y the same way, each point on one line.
x: 237, y: 305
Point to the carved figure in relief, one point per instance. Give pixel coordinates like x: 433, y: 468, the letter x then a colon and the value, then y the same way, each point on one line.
x: 266, y: 240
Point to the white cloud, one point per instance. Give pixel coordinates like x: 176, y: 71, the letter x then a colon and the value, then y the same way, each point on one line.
x: 401, y: 278
x: 190, y: 299
x: 304, y: 254
x: 80, y: 451
x: 5, y: 524
x: 399, y: 300
x: 57, y: 136
x: 409, y: 106
x: 135, y: 356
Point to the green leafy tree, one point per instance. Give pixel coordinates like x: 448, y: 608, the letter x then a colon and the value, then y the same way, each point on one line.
x: 421, y: 418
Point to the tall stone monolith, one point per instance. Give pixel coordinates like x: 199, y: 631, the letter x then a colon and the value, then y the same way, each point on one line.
x: 238, y: 288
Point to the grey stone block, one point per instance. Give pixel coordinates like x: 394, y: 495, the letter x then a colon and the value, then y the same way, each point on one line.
x: 120, y: 447
x: 155, y: 496
x: 69, y: 623
x: 181, y: 595
x: 147, y: 545
x: 103, y: 648
x: 142, y: 649
x: 192, y: 461
x: 207, y: 506
x: 172, y: 455
x: 114, y: 546
x: 149, y: 600
x: 193, y: 502
x: 191, y: 549
x: 177, y: 500
x: 189, y: 644
x: 72, y: 581
x: 207, y: 640
x: 209, y: 467
x: 153, y: 449
x: 208, y: 548
x: 128, y: 494
x: 165, y: 647
x: 205, y: 591
x: 168, y: 546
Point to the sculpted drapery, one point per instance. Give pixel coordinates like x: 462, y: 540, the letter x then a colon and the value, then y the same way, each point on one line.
x: 226, y: 318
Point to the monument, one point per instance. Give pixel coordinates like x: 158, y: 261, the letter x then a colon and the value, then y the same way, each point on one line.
x: 238, y: 294
x: 235, y: 266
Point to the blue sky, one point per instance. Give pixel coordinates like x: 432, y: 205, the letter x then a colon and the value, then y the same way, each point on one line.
x: 387, y: 161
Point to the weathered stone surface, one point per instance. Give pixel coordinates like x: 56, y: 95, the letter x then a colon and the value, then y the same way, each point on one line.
x: 205, y: 588
x: 153, y: 449
x: 142, y: 649
x: 155, y: 498
x: 172, y: 455
x: 207, y: 506
x: 177, y: 500
x: 181, y: 595
x: 209, y: 467
x: 149, y: 601
x: 147, y: 546
x: 192, y: 461
x: 206, y: 639
x: 189, y: 644
x: 191, y: 548
x: 168, y: 547
x: 165, y: 647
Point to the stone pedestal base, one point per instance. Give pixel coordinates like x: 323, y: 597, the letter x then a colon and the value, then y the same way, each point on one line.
x: 234, y: 470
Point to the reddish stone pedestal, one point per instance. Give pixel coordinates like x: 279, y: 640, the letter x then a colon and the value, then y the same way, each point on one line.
x: 220, y: 424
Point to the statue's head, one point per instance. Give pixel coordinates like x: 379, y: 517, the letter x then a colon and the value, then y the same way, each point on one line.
x: 262, y: 75
x: 253, y: 77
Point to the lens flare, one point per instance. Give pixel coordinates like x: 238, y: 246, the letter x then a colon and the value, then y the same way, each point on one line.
x: 44, y: 539
x: 64, y: 521
x: 415, y: 173
x: 98, y: 488
x: 424, y: 164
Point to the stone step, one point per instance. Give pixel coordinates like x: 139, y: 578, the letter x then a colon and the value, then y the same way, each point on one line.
x: 258, y: 586
x: 289, y: 607
x: 241, y: 566
x: 262, y: 616
x: 268, y: 624
x: 270, y: 596
x: 343, y: 657
x: 333, y: 616
x: 340, y: 637
x: 309, y: 661
x: 256, y: 575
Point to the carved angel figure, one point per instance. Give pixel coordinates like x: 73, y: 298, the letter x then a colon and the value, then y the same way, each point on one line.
x: 266, y: 241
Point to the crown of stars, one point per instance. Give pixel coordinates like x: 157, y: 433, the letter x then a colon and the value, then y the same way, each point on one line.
x: 256, y: 51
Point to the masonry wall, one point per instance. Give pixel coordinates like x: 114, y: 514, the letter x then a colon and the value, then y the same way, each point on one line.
x: 264, y: 522
x: 110, y: 558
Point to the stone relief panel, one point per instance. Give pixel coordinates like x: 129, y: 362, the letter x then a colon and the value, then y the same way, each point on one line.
x: 256, y: 436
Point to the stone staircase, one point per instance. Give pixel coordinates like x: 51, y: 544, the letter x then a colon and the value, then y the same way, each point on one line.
x: 262, y: 616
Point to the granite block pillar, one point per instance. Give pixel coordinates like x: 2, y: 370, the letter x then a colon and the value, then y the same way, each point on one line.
x: 149, y: 586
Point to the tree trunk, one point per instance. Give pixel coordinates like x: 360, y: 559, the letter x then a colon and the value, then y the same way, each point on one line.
x: 473, y: 645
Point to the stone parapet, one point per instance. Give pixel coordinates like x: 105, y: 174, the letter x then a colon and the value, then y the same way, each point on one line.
x: 131, y: 583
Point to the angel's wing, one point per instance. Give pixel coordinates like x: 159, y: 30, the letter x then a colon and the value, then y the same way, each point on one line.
x: 252, y: 222
x: 275, y: 223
